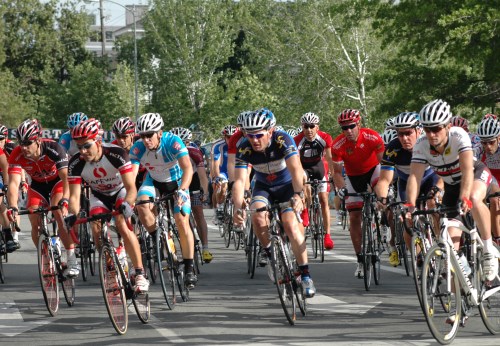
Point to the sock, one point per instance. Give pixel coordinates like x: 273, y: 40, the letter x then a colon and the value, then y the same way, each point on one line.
x: 304, y: 271
x: 139, y: 271
x: 70, y: 252
x: 8, y: 234
x: 488, y: 245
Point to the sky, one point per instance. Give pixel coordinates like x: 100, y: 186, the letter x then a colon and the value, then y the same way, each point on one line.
x: 114, y: 15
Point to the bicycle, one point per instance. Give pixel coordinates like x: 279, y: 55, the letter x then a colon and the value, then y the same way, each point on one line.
x: 86, y: 246
x: 147, y: 247
x: 286, y: 274
x: 371, y: 246
x: 398, y: 212
x: 50, y: 265
x: 448, y: 293
x: 117, y: 286
x: 198, y: 256
x: 316, y: 226
x: 344, y: 214
x: 167, y: 251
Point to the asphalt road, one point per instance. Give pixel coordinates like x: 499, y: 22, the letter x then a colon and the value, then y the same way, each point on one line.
x: 229, y: 308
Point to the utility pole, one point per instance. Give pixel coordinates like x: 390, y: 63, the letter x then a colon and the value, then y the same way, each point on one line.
x: 103, y: 34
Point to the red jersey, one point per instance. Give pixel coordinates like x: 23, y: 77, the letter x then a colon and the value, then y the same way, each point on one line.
x: 360, y: 156
x: 233, y: 142
x: 52, y: 158
x: 312, y: 152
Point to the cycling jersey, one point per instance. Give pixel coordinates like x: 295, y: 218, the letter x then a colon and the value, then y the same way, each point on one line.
x: 492, y: 161
x: 446, y: 165
x: 220, y: 153
x: 234, y: 141
x: 52, y: 159
x: 196, y: 157
x: 68, y: 143
x: 361, y: 156
x: 142, y: 171
x: 162, y: 163
x: 312, y: 152
x: 9, y: 147
x: 103, y: 176
x: 270, y: 164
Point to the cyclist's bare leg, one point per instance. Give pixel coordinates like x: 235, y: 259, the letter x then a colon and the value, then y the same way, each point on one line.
x: 35, y: 222
x: 96, y: 233
x: 63, y: 233
x: 146, y: 215
x: 355, y: 229
x: 201, y: 223
x: 295, y: 233
x: 325, y: 210
x: 260, y: 224
x: 479, y: 210
x: 185, y: 235
x: 130, y: 241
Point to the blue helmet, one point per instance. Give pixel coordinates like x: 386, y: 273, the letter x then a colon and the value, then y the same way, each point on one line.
x: 76, y: 118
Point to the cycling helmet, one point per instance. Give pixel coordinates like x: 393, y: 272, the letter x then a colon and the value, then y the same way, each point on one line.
x: 228, y: 130
x: 389, y: 122
x: 309, y: 118
x: 279, y: 128
x: 261, y: 119
x: 183, y: 133
x: 488, y: 129
x: 458, y: 121
x: 406, y: 120
x: 292, y: 132
x: 388, y: 135
x: 348, y: 116
x: 76, y: 118
x: 88, y: 129
x: 435, y: 113
x: 4, y: 132
x: 242, y: 116
x: 123, y: 126
x: 29, y: 130
x: 490, y: 115
x: 149, y: 122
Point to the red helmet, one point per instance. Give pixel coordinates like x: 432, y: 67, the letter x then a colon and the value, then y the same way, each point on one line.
x: 458, y: 121
x: 4, y: 132
x: 489, y: 115
x: 88, y: 129
x: 123, y: 126
x: 348, y: 116
x: 29, y: 130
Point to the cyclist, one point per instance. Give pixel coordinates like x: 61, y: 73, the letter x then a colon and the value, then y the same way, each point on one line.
x: 11, y: 236
x: 314, y: 148
x: 108, y: 171
x: 459, y: 121
x: 448, y: 151
x: 4, y: 183
x: 489, y: 132
x: 396, y: 163
x: 279, y: 178
x: 361, y: 149
x: 388, y: 135
x: 166, y: 159
x: 65, y: 140
x: 233, y: 143
x: 220, y: 175
x: 199, y: 183
x: 47, y: 164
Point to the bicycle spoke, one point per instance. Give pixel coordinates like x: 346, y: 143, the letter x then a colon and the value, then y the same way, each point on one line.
x: 48, y: 274
x: 283, y: 281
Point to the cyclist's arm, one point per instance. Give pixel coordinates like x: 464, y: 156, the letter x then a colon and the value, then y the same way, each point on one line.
x: 202, y: 175
x: 231, y: 158
x: 63, y: 174
x: 240, y: 175
x: 295, y: 168
x: 5, y: 169
x: 385, y: 179
x: 215, y: 167
x: 337, y: 176
x: 75, y: 191
x: 13, y: 191
x: 328, y: 156
x: 413, y: 184
x: 466, y: 163
x: 128, y: 179
x: 187, y: 172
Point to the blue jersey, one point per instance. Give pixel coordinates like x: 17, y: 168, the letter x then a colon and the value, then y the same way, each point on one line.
x: 68, y: 143
x: 220, y: 152
x: 270, y: 164
x: 162, y: 164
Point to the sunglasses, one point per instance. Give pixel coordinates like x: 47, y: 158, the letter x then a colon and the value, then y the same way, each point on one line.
x: 147, y: 135
x: 308, y: 126
x: 255, y: 135
x: 121, y: 136
x: 85, y: 146
x: 433, y: 129
x: 490, y: 142
x: 405, y: 133
x: 25, y: 143
x: 348, y: 127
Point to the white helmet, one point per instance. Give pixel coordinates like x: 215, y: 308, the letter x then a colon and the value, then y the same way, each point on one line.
x: 183, y: 133
x: 149, y: 122
x: 309, y: 118
x: 242, y: 116
x: 406, y: 120
x: 435, y: 113
x: 279, y: 128
x: 388, y: 135
x: 259, y: 120
x: 389, y: 122
x: 292, y: 132
x: 488, y: 128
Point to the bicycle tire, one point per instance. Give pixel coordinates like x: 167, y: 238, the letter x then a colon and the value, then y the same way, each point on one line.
x: 142, y: 306
x: 113, y: 290
x: 366, y: 253
x: 165, y: 264
x: 320, y: 230
x: 401, y: 245
x: 283, y: 280
x: 227, y: 235
x: 253, y: 250
x: 179, y: 268
x: 489, y: 308
x: 3, y: 251
x: 437, y: 302
x: 377, y: 251
x: 147, y: 258
x: 198, y: 256
x: 92, y: 256
x: 48, y: 274
x: 415, y: 250
x: 68, y: 288
x: 84, y: 250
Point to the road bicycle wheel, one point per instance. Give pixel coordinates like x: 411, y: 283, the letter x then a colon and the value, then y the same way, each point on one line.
x: 113, y: 290
x: 442, y: 307
x: 165, y: 264
x: 366, y: 253
x: 179, y: 267
x: 490, y: 304
x: 377, y: 251
x: 68, y: 287
x: 198, y: 256
x: 417, y: 251
x: 142, y: 306
x: 252, y: 250
x: 228, y: 233
x: 48, y: 274
x: 320, y: 231
x: 283, y: 278
x: 85, y: 253
x: 3, y: 251
x: 92, y: 255
x: 401, y: 245
x: 148, y: 262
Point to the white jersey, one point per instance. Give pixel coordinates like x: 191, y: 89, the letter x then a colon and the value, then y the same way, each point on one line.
x: 446, y: 165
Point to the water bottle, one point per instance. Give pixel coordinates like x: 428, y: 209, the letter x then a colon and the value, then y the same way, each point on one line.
x: 122, y: 257
x: 56, y: 245
x: 464, y: 264
x: 171, y: 247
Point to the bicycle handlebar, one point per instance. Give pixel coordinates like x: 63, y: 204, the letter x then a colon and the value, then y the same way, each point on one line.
x: 100, y: 216
x: 39, y: 210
